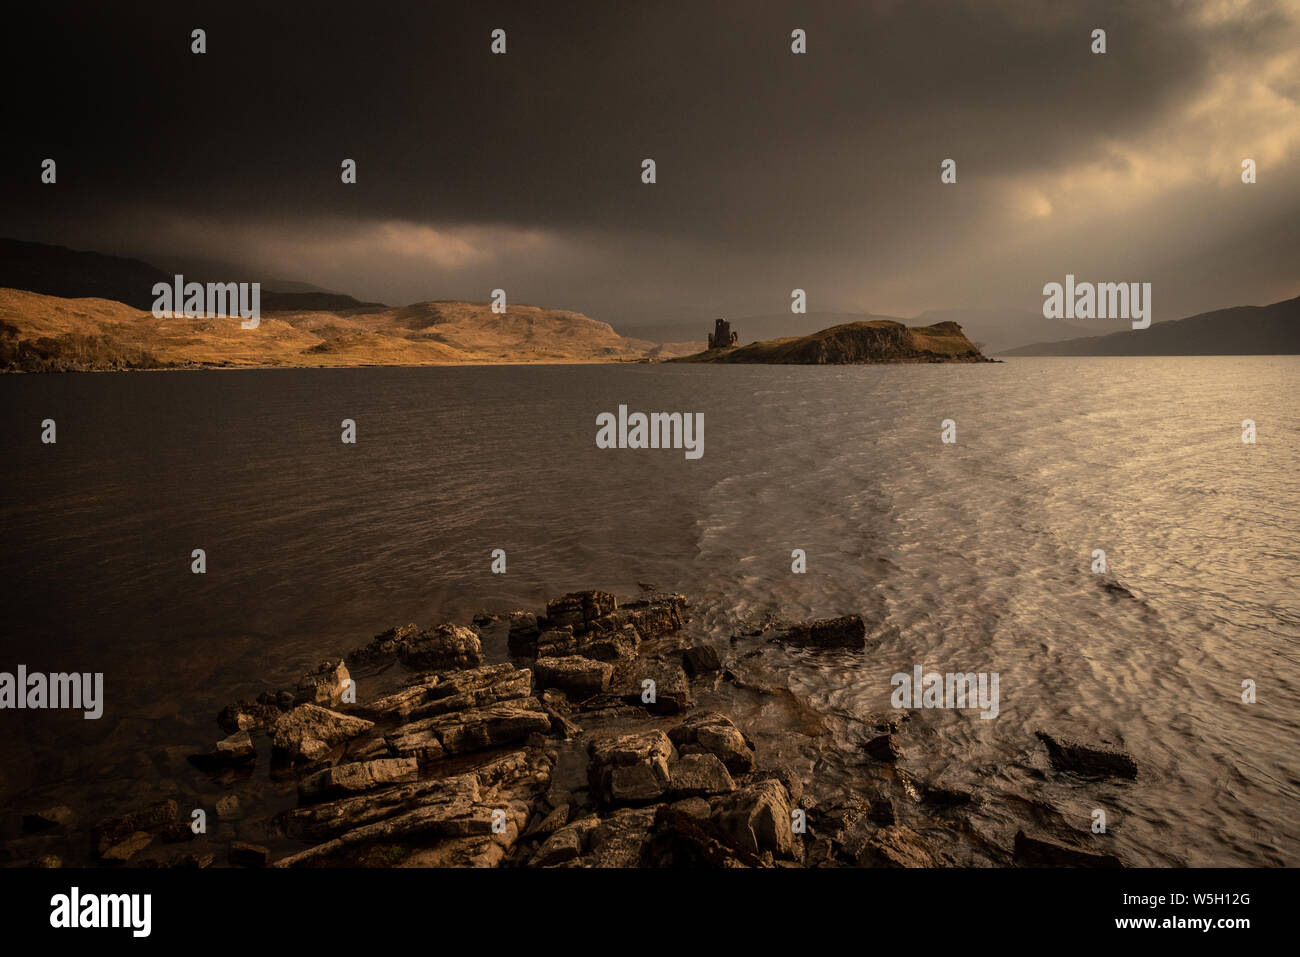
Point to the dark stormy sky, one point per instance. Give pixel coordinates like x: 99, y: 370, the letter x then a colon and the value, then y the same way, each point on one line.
x: 775, y: 171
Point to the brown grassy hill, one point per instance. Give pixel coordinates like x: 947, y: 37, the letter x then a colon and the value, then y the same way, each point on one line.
x: 46, y: 333
x: 856, y: 342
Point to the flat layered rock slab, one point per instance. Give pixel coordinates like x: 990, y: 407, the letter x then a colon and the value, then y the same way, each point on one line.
x: 577, y: 676
x: 504, y: 722
x: 358, y: 776
x: 671, y: 690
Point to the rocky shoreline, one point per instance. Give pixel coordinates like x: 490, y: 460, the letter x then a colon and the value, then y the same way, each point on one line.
x: 589, y: 748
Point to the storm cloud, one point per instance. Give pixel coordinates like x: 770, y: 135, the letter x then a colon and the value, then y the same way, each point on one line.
x: 775, y: 170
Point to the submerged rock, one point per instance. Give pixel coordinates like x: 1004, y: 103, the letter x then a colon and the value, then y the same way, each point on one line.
x: 60, y: 815
x: 383, y: 646
x: 848, y: 631
x: 1088, y: 760
x: 118, y: 838
x: 1045, y: 852
x: 884, y: 748
x: 701, y: 660
x: 896, y: 845
x: 232, y: 751
x: 252, y: 715
x: 243, y: 854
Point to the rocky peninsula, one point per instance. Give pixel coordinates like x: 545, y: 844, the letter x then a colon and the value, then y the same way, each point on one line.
x: 597, y: 744
x: 852, y: 343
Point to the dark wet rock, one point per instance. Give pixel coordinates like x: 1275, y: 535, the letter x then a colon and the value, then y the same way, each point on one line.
x: 758, y: 818
x: 233, y: 751
x: 383, y: 647
x: 128, y: 847
x: 622, y: 645
x: 891, y: 723
x: 701, y: 660
x: 555, y: 704
x: 618, y: 840
x: 228, y: 808
x: 557, y: 642
x: 679, y: 838
x: 692, y: 806
x: 46, y: 819
x: 697, y: 775
x: 847, y: 631
x: 578, y: 608
x: 243, y: 854
x: 599, y: 645
x: 522, y: 637
x: 178, y: 833
x: 249, y: 716
x: 658, y: 615
x: 1045, y: 852
x: 324, y: 685
x: 357, y: 776
x: 945, y: 797
x: 551, y: 823
x: 672, y: 689
x: 895, y: 846
x: 566, y: 844
x: 630, y: 768
x: 576, y: 676
x: 1088, y: 760
x: 714, y: 733
x: 117, y: 838
x: 473, y: 729
x: 786, y: 775
x: 884, y: 748
x: 47, y: 862
x: 309, y: 733
x: 483, y: 619
x: 882, y: 811
x: 441, y: 648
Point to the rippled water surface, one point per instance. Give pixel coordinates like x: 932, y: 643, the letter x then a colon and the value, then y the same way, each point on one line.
x: 968, y: 557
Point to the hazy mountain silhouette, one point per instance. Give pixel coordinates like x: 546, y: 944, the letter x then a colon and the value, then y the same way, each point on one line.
x: 1237, y: 331
x: 71, y: 274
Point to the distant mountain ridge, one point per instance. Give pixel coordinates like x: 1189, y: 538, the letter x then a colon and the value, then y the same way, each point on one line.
x: 1237, y: 331
x: 71, y: 274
